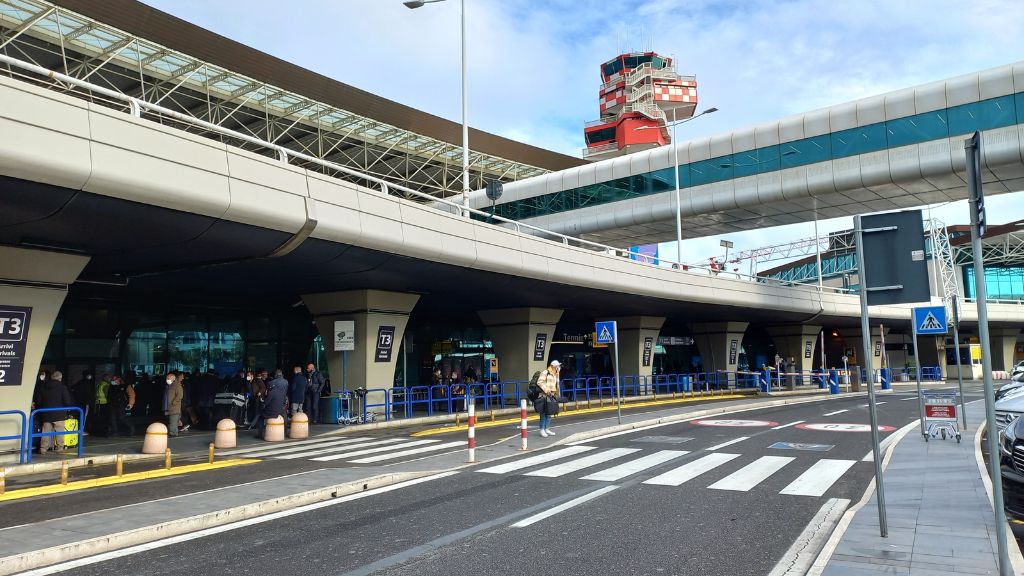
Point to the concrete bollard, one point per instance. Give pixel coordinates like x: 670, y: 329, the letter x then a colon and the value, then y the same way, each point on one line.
x: 224, y: 437
x: 64, y: 472
x: 274, y: 431
x: 119, y: 465
x: 300, y: 427
x: 167, y: 459
x: 156, y: 439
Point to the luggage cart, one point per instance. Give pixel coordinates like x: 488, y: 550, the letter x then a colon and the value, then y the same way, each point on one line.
x: 357, y: 412
x: 940, y: 415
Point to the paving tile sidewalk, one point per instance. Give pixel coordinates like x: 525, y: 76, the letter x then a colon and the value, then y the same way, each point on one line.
x: 939, y: 515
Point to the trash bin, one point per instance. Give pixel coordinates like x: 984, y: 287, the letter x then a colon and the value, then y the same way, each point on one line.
x: 886, y: 384
x: 766, y: 381
x: 833, y: 381
x: 330, y: 410
x: 821, y: 377
x: 684, y: 382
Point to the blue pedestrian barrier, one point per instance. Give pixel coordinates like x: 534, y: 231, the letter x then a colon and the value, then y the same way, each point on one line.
x: 23, y: 449
x: 684, y: 382
x: 34, y: 435
x: 386, y: 404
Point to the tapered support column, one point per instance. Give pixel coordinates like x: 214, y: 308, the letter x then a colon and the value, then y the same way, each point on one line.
x: 33, y: 285
x: 796, y: 343
x: 521, y: 338
x: 638, y: 335
x: 719, y: 343
x: 854, y: 344
x: 380, y: 319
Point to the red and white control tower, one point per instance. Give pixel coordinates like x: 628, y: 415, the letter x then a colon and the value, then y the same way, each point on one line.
x: 639, y: 89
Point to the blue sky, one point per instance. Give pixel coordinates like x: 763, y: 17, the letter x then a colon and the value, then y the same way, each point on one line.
x: 533, y: 65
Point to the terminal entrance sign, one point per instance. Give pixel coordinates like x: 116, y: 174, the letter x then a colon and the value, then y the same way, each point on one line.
x: 14, y: 322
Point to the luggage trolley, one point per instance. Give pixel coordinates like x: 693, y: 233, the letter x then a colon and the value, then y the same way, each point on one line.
x: 357, y: 412
x: 940, y: 415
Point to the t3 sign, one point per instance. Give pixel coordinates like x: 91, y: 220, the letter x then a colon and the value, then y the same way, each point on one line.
x: 14, y: 322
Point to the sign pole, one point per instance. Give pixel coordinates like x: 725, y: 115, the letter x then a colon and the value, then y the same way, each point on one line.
x: 972, y: 151
x: 917, y: 374
x: 618, y: 381
x: 959, y: 370
x: 865, y: 327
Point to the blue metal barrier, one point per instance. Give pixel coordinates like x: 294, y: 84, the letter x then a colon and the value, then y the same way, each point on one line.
x: 439, y: 395
x: 386, y: 404
x: 417, y: 395
x: 605, y: 384
x: 34, y: 435
x: 23, y: 449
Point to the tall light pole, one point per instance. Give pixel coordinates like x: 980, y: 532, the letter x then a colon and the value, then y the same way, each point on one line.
x: 413, y: 4
x: 675, y: 154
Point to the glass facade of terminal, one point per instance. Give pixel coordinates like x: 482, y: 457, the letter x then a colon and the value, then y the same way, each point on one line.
x: 965, y: 119
x: 1001, y: 282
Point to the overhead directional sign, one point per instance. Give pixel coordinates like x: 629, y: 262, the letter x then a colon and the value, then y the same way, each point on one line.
x: 930, y: 320
x: 606, y: 332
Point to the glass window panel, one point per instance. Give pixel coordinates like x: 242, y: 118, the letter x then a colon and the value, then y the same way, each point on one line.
x: 805, y: 151
x: 226, y: 346
x: 90, y: 322
x: 917, y: 128
x: 147, y: 351
x: 261, y: 329
x: 756, y: 161
x: 713, y: 170
x: 861, y: 140
x: 984, y: 115
x: 93, y: 348
x: 188, y: 344
x: 1018, y: 100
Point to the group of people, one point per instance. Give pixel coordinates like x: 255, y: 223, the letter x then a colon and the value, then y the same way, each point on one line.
x: 105, y: 405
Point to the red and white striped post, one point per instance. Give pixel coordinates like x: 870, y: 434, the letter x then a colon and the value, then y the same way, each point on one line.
x: 472, y: 432
x: 522, y: 423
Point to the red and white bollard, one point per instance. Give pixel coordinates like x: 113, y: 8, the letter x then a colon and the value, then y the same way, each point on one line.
x: 472, y: 432
x: 522, y: 423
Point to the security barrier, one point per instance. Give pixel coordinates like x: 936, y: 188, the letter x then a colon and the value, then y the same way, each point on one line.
x: 24, y: 450
x: 34, y: 435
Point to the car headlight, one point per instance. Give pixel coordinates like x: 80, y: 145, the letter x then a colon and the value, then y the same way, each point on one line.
x: 1008, y: 436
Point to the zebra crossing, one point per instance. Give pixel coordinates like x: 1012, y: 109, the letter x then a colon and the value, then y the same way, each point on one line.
x: 352, y: 450
x: 814, y: 481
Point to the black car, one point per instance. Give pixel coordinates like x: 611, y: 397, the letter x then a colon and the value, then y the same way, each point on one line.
x: 1011, y: 464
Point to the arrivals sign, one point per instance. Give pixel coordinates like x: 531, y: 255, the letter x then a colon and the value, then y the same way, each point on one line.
x: 808, y: 348
x: 14, y: 322
x: 344, y: 335
x: 385, y: 342
x: 734, y: 347
x: 648, y: 350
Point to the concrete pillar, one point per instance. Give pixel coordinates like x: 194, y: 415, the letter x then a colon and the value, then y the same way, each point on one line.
x: 380, y: 319
x: 522, y: 339
x: 1004, y: 343
x: 855, y: 342
x: 719, y: 343
x: 635, y: 332
x: 33, y: 285
x: 796, y: 343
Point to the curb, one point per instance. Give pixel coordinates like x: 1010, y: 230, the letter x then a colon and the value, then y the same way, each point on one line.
x: 85, y: 461
x: 116, y: 541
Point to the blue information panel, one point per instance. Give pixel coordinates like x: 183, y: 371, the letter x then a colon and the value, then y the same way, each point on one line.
x: 930, y: 320
x: 605, y: 332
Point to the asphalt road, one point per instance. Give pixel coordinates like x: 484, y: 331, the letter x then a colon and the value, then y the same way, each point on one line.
x: 729, y: 519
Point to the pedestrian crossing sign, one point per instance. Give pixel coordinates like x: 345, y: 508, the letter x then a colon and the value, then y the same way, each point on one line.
x: 930, y: 320
x: 605, y: 332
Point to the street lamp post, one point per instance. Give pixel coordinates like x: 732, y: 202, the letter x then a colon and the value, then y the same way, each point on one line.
x: 675, y: 154
x: 413, y: 4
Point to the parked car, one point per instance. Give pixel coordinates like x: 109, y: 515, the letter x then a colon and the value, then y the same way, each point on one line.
x: 1005, y: 390
x: 1009, y: 408
x: 1018, y: 370
x: 1011, y: 466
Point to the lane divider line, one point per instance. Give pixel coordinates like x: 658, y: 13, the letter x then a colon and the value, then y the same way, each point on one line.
x: 729, y: 443
x: 788, y: 425
x: 836, y: 412
x: 563, y: 507
x: 112, y: 480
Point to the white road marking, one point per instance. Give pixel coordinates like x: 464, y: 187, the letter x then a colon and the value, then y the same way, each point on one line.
x: 788, y: 425
x: 634, y: 466
x: 272, y: 450
x: 818, y: 478
x: 630, y: 431
x: 879, y: 403
x: 410, y: 452
x: 534, y: 460
x: 729, y: 443
x: 563, y: 507
x: 752, y: 474
x: 372, y: 450
x: 581, y: 463
x: 836, y: 412
x: 911, y: 398
x: 335, y: 448
x: 691, y: 470
x: 227, y: 527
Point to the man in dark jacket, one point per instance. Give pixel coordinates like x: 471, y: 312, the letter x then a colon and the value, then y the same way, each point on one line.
x: 84, y: 394
x: 297, y: 390
x: 314, y: 388
x: 53, y: 394
x: 277, y: 397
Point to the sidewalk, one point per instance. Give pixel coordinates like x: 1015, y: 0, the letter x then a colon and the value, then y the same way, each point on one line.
x: 940, y: 518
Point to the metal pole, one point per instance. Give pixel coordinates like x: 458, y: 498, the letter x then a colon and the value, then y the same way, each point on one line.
x: 817, y: 249
x: 618, y: 381
x: 465, y: 120
x: 679, y: 197
x: 865, y: 327
x: 959, y: 370
x: 823, y: 367
x: 972, y: 149
x: 917, y: 374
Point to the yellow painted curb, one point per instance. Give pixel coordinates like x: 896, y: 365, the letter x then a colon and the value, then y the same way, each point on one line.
x: 506, y: 421
x: 111, y: 480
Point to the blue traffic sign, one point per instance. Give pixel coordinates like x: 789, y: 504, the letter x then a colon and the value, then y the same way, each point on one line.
x: 606, y: 332
x: 930, y: 320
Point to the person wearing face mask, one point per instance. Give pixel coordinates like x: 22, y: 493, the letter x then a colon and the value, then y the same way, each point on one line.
x: 102, y: 418
x: 84, y: 394
x: 314, y: 388
x: 175, y: 393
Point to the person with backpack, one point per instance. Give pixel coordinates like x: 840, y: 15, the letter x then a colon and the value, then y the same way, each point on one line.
x: 120, y: 399
x: 545, y: 390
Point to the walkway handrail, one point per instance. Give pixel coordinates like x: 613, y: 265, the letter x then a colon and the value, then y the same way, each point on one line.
x: 22, y: 451
x: 136, y: 107
x: 65, y: 409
